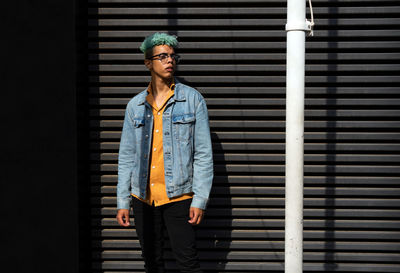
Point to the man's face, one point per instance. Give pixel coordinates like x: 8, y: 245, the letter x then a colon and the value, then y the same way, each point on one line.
x: 166, y: 69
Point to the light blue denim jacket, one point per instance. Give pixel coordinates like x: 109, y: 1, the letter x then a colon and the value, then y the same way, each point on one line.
x: 187, y: 147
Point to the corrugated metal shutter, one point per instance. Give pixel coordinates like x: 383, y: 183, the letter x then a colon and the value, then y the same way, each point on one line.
x: 234, y: 53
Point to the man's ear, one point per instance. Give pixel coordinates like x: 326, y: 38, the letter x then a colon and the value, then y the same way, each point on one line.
x: 148, y: 64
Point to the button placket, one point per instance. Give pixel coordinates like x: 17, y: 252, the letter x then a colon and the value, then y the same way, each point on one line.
x: 159, y: 117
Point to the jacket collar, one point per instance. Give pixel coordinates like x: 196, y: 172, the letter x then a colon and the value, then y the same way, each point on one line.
x: 179, y: 95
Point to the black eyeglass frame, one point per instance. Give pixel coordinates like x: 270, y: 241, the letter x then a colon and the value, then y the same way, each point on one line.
x: 173, y: 56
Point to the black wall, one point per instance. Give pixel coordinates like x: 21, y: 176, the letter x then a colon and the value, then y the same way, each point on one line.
x: 39, y: 203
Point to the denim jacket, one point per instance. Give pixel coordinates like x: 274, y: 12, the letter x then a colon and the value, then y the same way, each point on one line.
x: 187, y: 147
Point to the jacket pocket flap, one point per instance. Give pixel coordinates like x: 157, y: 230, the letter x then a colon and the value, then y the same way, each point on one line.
x: 187, y: 118
x: 138, y: 122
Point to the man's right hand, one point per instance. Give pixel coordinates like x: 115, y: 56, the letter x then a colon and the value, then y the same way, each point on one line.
x: 123, y: 217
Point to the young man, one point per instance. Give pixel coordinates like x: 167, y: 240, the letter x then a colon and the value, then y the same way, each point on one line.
x: 165, y: 160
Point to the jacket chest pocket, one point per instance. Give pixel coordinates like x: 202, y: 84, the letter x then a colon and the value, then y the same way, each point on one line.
x: 183, y: 126
x: 139, y: 129
x: 138, y: 123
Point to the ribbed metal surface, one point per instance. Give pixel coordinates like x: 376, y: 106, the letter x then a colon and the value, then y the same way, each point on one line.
x: 234, y: 53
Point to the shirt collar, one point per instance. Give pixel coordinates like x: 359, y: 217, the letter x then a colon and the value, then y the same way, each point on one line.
x: 150, y: 98
x: 171, y: 87
x: 178, y: 94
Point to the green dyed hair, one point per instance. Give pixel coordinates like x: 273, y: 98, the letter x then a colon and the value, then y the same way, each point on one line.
x: 156, y: 39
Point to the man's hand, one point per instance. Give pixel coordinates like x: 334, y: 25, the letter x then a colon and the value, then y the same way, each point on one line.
x: 123, y: 217
x: 195, y: 215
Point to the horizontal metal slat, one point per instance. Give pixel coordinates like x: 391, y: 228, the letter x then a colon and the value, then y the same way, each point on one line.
x: 276, y: 124
x: 308, y: 101
x: 280, y: 180
x: 103, y: 68
x: 230, y: 36
x: 281, y: 113
x: 384, y: 102
x: 276, y: 245
x: 332, y: 137
x: 311, y: 147
x: 212, y: 234
x: 274, y: 168
x: 233, y: 22
x: 250, y: 68
x: 280, y: 191
x: 367, y: 267
x: 279, y: 202
x: 249, y: 90
x: 318, y: 224
x: 254, y: 79
x: 258, y: 42
x: 312, y: 124
x: 314, y: 213
x: 259, y: 256
x: 351, y: 158
x: 252, y: 11
x: 355, y: 57
x: 264, y: 266
x: 308, y: 147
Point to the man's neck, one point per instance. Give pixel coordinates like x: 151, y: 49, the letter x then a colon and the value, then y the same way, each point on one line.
x: 160, y: 87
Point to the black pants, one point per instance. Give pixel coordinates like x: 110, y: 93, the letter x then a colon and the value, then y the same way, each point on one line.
x: 150, y: 222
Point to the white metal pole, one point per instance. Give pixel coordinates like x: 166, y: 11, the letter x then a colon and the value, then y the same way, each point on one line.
x: 295, y: 62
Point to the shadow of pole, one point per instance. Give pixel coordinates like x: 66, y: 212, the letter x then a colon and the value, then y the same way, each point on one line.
x: 172, y: 18
x: 330, y: 192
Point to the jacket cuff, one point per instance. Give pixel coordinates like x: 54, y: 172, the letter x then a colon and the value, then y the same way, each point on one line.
x: 199, y: 202
x: 123, y: 202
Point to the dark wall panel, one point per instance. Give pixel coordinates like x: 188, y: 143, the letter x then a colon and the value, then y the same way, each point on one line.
x: 38, y: 148
x: 234, y: 53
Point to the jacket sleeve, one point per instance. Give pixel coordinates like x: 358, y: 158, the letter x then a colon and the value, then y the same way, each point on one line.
x: 125, y: 162
x: 202, y: 158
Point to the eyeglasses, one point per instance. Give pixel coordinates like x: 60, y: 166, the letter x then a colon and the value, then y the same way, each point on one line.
x: 163, y: 57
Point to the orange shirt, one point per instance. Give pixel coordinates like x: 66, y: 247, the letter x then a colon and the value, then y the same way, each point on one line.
x: 156, y: 190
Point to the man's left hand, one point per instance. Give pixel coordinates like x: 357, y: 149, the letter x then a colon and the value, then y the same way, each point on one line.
x: 195, y: 215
